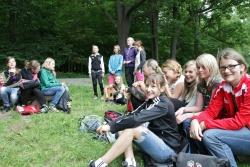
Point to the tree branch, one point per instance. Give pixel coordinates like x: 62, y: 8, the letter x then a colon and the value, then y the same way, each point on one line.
x: 111, y: 19
x: 135, y: 6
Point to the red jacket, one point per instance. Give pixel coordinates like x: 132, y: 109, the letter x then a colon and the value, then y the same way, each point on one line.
x: 221, y: 112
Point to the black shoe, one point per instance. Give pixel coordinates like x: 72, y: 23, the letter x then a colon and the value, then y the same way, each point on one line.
x: 125, y: 164
x: 92, y: 163
x: 6, y: 109
x: 44, y: 109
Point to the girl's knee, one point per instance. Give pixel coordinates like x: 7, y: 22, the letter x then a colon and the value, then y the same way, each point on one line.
x: 211, y: 134
x: 136, y: 132
x: 14, y: 98
x: 3, y: 90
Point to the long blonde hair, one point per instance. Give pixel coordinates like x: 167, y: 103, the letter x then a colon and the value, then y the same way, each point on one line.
x: 173, y: 65
x: 153, y: 64
x: 190, y: 89
x: 47, y: 64
x: 209, y: 62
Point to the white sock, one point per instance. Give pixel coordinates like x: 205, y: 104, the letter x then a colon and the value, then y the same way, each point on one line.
x: 131, y: 161
x: 100, y: 163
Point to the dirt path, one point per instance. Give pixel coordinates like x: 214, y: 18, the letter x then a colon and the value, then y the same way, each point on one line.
x: 77, y: 81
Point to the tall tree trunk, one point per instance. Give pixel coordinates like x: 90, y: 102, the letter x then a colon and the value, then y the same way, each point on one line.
x: 154, y: 31
x: 123, y: 24
x: 12, y: 20
x: 196, y: 35
x: 175, y: 31
x: 124, y: 12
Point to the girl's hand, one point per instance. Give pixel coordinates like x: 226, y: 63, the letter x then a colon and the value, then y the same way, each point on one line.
x: 196, y: 130
x: 202, y: 125
x: 180, y: 111
x: 103, y: 129
x: 180, y: 118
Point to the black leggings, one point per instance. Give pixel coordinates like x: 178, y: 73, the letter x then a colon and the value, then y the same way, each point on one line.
x: 129, y: 75
x: 97, y: 76
x: 31, y: 95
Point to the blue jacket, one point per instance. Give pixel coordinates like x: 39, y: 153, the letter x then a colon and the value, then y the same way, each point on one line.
x: 115, y: 64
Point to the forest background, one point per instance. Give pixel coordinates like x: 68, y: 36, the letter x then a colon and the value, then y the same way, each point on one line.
x: 66, y: 29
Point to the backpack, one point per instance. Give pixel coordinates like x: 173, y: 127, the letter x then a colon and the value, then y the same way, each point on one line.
x: 64, y: 102
x: 90, y: 123
x: 110, y: 116
x: 199, y: 160
x: 27, y: 110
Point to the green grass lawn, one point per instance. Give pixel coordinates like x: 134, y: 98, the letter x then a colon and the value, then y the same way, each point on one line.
x: 54, y: 139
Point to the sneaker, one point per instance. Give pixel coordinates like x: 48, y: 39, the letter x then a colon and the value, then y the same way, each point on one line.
x: 5, y: 109
x: 125, y: 164
x: 53, y: 109
x: 44, y: 109
x: 92, y: 163
x: 95, y: 97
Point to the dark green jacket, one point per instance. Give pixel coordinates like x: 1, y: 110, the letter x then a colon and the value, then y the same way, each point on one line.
x: 48, y: 79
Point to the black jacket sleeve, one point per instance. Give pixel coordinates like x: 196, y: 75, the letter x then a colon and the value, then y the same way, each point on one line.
x: 142, y: 59
x: 154, y: 111
x: 26, y: 74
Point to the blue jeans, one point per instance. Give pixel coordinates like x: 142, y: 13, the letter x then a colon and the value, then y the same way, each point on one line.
x: 155, y: 147
x: 9, y: 96
x: 227, y: 143
x: 56, y: 92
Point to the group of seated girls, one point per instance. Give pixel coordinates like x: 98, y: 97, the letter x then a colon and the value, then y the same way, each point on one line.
x: 214, y: 113
x: 30, y: 85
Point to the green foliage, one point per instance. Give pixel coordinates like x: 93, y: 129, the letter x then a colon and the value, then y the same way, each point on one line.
x: 65, y: 30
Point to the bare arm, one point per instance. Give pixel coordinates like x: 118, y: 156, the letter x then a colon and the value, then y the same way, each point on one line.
x: 198, y: 104
x: 178, y: 90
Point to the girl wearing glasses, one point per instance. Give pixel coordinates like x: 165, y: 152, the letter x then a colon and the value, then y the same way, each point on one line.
x: 224, y: 125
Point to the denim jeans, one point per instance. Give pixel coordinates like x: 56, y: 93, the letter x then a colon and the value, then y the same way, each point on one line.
x: 227, y: 143
x: 155, y: 147
x: 56, y: 92
x: 9, y: 96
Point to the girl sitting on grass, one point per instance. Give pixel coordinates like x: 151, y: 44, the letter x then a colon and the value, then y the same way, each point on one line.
x: 160, y: 139
x: 189, y: 94
x: 175, y: 80
x: 12, y: 79
x: 116, y: 92
x: 34, y: 93
x: 138, y: 89
x: 49, y: 84
x: 209, y: 77
x: 224, y: 125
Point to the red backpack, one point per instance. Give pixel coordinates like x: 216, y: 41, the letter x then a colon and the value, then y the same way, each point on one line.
x: 110, y: 116
x: 27, y: 110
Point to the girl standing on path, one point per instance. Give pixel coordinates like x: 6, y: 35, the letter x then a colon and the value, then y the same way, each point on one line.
x: 139, y: 61
x: 115, y: 65
x: 96, y: 70
x: 129, y: 55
